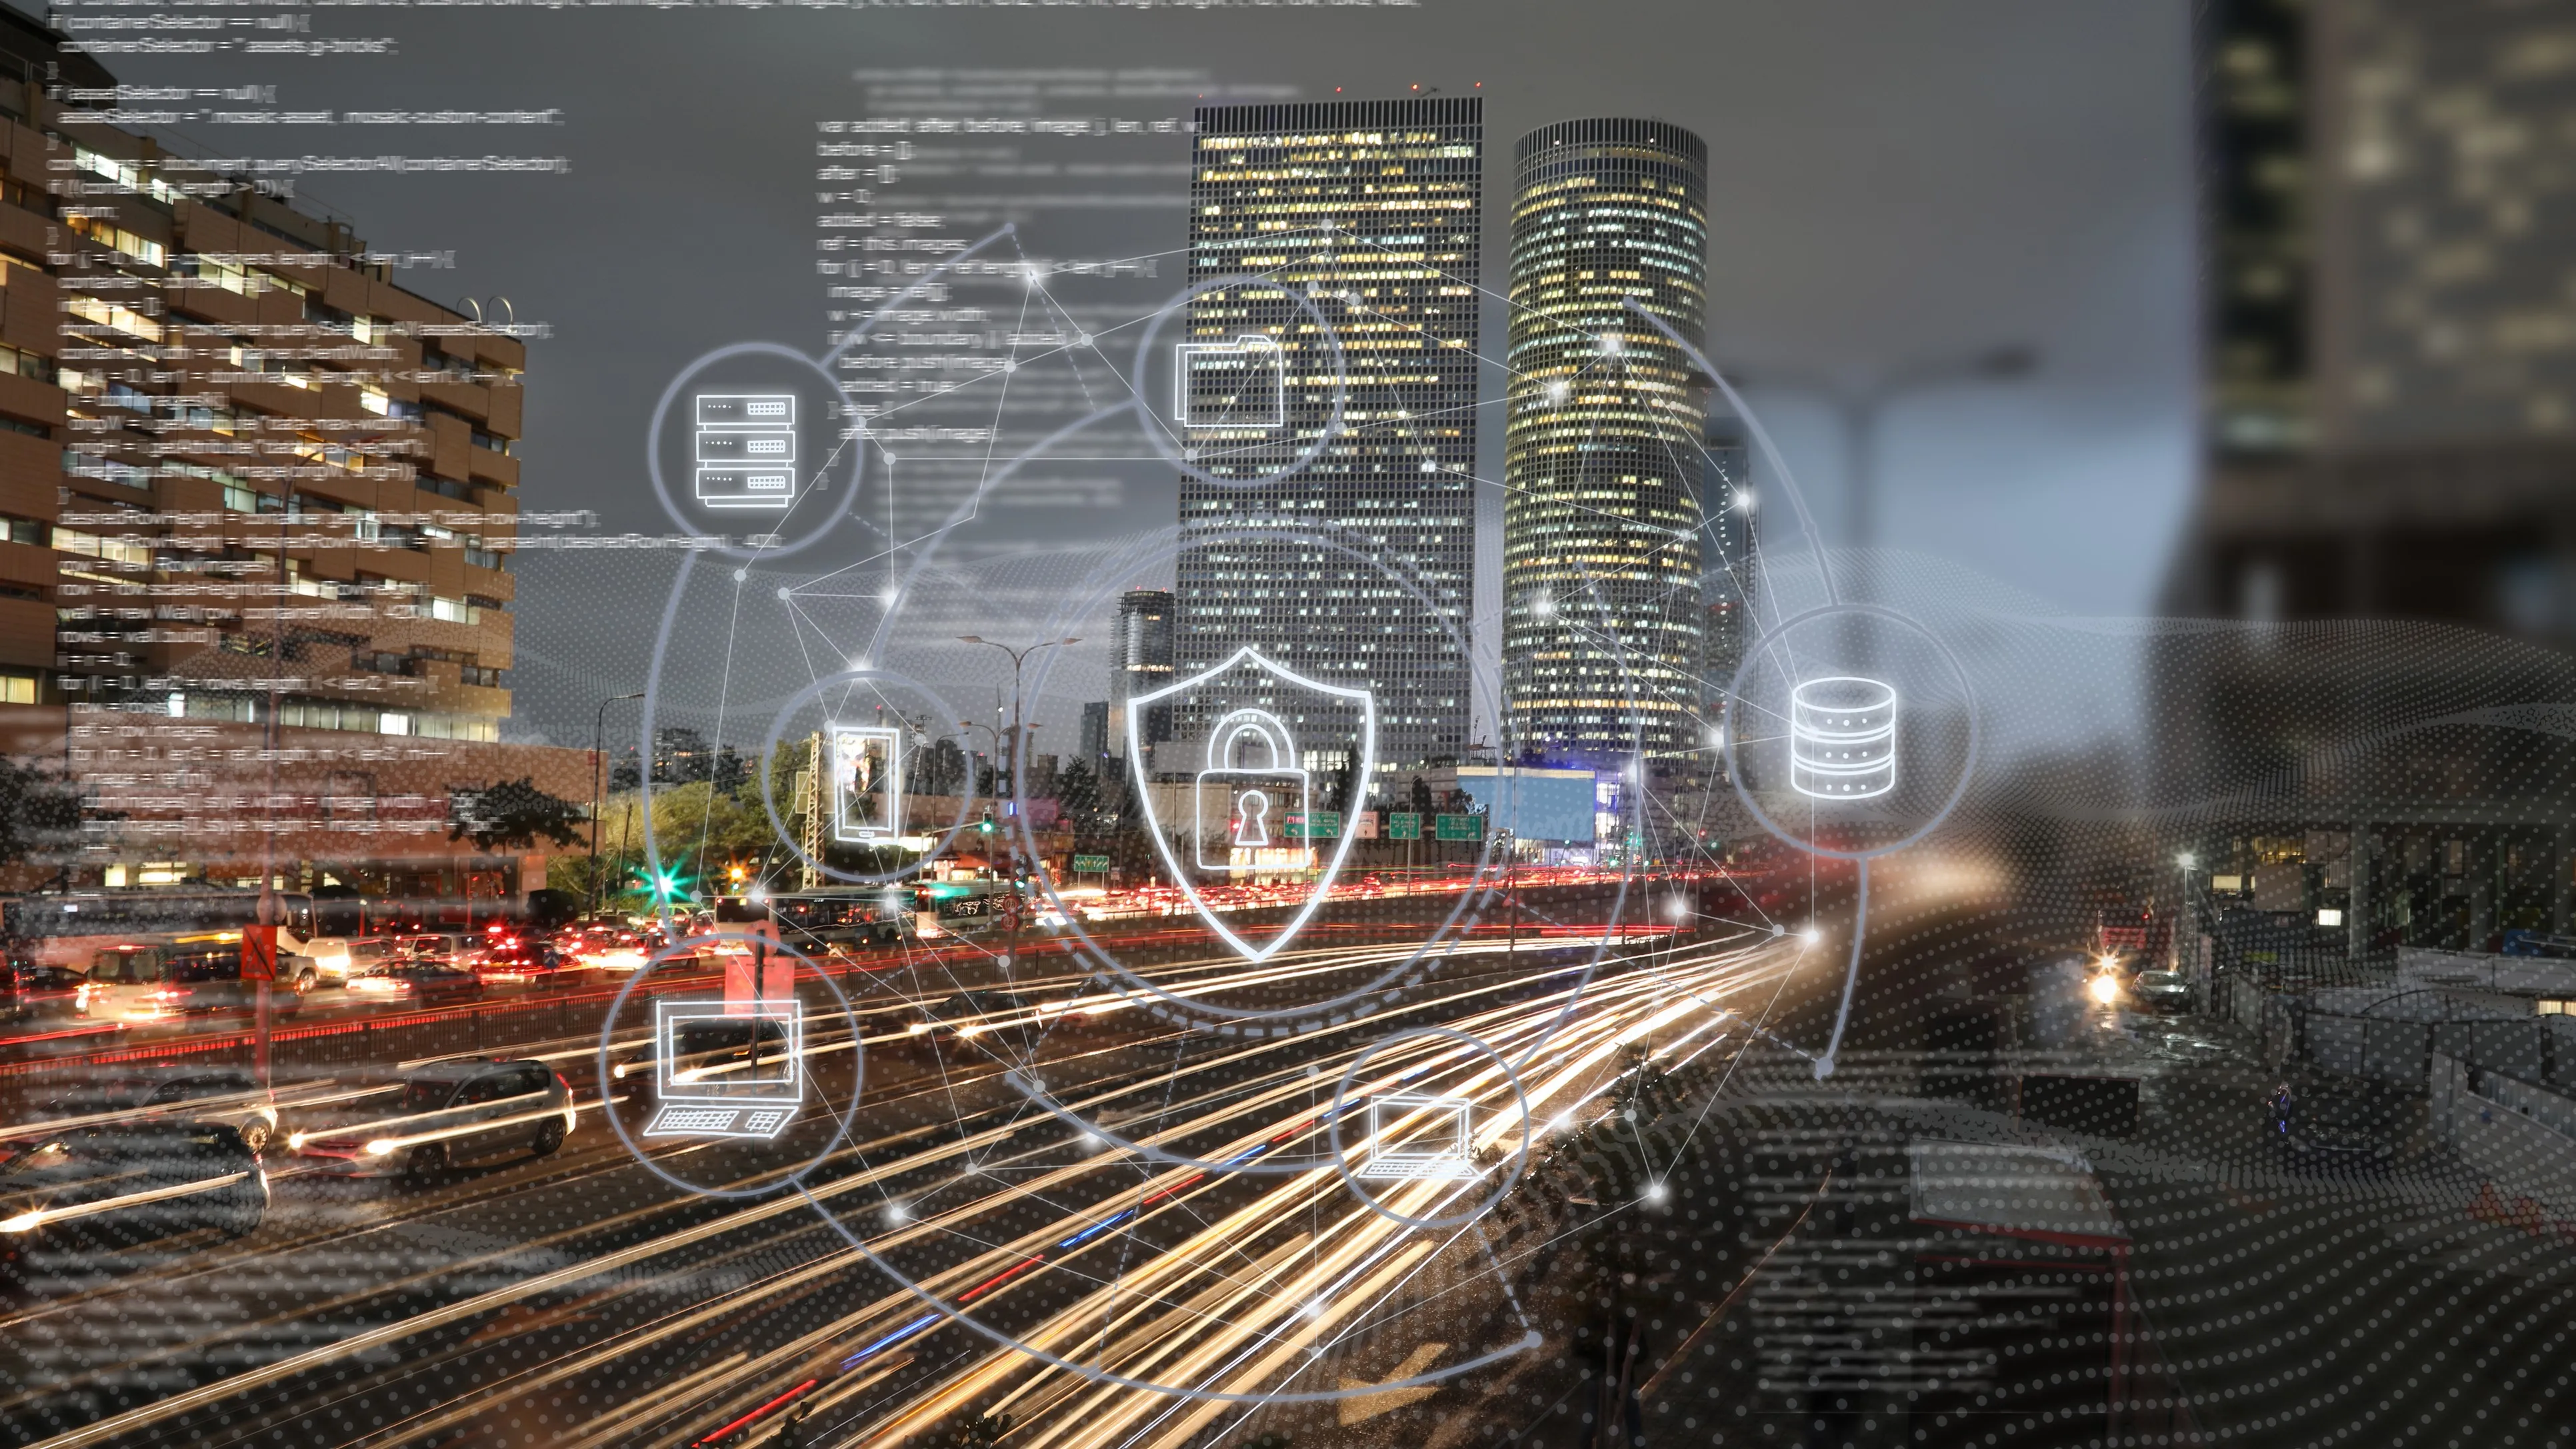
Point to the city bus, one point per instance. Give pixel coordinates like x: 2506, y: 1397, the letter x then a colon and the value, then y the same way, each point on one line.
x: 812, y: 920
x: 68, y: 929
x: 164, y: 976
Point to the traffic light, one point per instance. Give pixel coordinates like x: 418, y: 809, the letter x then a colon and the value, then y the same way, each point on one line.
x: 985, y: 825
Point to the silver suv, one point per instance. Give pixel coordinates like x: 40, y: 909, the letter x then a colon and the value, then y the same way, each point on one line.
x: 450, y: 1113
x: 226, y: 1096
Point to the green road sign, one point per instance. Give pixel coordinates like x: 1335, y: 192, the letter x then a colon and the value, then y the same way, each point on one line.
x: 1461, y: 827
x: 1403, y: 825
x: 1316, y: 825
x: 1091, y: 865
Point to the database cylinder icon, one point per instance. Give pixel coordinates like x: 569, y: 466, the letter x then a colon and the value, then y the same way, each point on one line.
x: 1842, y: 738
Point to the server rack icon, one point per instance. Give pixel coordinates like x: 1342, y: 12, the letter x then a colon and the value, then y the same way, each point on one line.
x: 746, y: 450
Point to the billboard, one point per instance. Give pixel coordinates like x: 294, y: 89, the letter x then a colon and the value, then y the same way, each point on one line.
x: 1533, y: 804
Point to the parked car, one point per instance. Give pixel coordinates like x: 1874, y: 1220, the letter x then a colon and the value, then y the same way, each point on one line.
x: 416, y: 980
x: 449, y: 1113
x: 2163, y: 992
x: 103, y: 1187
x: 29, y: 991
x: 223, y: 1096
x: 2327, y: 1119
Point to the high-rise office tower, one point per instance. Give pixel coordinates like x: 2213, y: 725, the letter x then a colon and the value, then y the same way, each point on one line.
x: 1140, y: 662
x: 1726, y: 589
x: 1601, y: 560
x: 1095, y: 732
x: 1370, y: 212
x: 2390, y: 434
x: 2391, y: 415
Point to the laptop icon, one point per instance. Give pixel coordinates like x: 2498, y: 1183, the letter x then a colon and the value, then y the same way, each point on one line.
x: 727, y: 1070
x: 1417, y: 1138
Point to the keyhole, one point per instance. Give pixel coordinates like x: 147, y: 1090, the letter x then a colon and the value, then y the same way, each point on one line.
x: 1251, y: 828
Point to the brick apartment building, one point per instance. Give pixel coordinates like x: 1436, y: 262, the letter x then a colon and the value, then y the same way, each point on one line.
x: 253, y: 488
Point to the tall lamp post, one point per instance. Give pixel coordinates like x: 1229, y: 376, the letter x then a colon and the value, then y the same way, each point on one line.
x: 1018, y: 740
x: 1859, y: 407
x: 598, y: 769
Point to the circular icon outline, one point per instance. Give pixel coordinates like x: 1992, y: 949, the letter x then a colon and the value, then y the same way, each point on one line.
x: 1769, y: 640
x: 1520, y: 1154
x: 1157, y: 427
x: 832, y: 514
x: 842, y: 1124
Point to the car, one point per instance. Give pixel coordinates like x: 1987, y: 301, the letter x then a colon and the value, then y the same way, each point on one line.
x: 102, y: 1187
x: 224, y: 1096
x: 448, y: 1113
x: 518, y: 961
x: 2161, y: 991
x: 966, y: 1014
x: 614, y: 948
x: 2328, y: 1119
x: 29, y: 991
x: 706, y: 1047
x: 416, y: 980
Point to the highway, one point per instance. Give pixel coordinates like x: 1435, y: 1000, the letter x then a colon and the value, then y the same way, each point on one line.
x: 1070, y: 1281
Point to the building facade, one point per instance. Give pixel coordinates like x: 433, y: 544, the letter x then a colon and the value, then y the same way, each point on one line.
x: 1727, y: 559
x: 1140, y: 662
x: 253, y: 488
x: 1370, y: 213
x: 2388, y: 497
x: 1095, y: 732
x: 1602, y: 620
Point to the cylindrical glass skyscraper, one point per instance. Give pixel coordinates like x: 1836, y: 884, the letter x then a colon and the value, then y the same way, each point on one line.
x: 1602, y: 622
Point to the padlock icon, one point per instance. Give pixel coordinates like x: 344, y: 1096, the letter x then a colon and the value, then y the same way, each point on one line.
x: 1252, y: 794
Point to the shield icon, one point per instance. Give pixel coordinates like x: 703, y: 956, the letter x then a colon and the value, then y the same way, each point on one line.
x: 1252, y: 801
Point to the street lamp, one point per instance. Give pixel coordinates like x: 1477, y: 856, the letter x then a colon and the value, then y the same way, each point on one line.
x: 598, y: 768
x: 1018, y: 658
x: 1858, y: 408
x: 1018, y: 741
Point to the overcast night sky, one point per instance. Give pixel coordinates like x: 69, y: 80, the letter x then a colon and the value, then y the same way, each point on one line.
x: 1888, y: 184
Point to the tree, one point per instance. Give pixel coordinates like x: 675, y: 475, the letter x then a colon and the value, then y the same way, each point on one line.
x: 38, y: 812
x: 1421, y: 796
x: 1339, y: 789
x: 511, y: 815
x: 680, y: 756
x: 1077, y: 790
x: 731, y: 771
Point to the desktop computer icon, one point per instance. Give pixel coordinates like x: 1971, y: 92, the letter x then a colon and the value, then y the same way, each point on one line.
x: 726, y: 1069
x: 1415, y: 1138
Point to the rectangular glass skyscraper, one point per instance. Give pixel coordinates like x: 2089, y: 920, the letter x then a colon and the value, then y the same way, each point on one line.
x: 1140, y: 662
x: 1337, y: 245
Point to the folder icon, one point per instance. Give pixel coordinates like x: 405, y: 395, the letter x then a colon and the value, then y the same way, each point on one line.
x: 1238, y: 384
